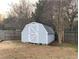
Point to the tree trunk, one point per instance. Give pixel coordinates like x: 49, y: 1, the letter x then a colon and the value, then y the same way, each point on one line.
x: 60, y: 37
x: 63, y: 35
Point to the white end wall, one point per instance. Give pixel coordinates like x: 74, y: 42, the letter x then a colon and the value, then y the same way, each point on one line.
x: 24, y: 34
x: 43, y: 35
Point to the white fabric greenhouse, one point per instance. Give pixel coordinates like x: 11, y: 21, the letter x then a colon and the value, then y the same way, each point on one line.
x: 37, y: 33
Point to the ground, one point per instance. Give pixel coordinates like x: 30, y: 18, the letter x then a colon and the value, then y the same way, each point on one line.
x: 14, y: 49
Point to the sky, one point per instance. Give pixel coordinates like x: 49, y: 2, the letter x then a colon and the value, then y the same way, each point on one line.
x: 5, y: 5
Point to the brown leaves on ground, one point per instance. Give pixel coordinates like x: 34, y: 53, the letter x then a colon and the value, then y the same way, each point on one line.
x: 16, y: 50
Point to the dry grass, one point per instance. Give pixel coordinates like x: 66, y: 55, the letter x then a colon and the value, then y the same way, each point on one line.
x: 17, y: 50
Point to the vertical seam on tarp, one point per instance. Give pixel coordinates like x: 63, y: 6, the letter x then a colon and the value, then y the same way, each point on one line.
x: 29, y: 33
x: 38, y: 33
x: 46, y: 37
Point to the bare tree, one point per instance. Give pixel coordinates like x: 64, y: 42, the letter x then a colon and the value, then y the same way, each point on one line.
x: 59, y: 17
x: 71, y: 12
x: 21, y: 12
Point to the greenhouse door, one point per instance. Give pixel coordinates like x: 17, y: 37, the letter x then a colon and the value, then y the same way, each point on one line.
x: 33, y: 34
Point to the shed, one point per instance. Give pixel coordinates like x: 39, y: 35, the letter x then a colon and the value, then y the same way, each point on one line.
x: 37, y: 33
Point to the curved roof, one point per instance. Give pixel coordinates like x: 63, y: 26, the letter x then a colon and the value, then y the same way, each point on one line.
x: 48, y: 29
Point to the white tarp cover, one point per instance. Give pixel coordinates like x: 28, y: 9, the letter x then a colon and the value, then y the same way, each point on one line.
x: 37, y: 33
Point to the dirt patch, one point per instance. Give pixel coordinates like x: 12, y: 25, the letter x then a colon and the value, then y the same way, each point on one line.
x: 17, y: 50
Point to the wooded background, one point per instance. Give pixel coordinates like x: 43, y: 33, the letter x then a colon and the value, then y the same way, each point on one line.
x: 61, y: 15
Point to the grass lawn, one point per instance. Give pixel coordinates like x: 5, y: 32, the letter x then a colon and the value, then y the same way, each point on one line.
x: 14, y: 49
